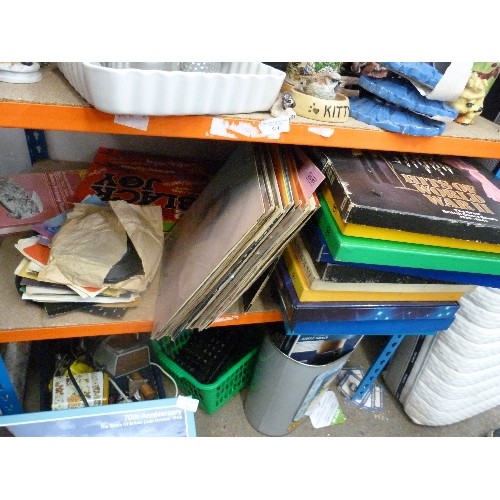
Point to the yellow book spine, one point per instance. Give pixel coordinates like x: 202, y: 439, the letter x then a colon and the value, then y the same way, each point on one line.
x: 305, y: 294
x: 382, y: 233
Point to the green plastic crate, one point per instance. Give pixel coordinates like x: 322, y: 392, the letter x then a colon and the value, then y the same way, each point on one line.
x: 211, y: 396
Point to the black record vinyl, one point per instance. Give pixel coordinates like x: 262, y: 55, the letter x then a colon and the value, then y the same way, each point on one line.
x: 129, y: 265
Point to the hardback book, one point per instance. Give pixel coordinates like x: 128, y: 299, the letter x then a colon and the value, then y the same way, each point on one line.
x: 305, y: 293
x: 452, y: 197
x: 319, y: 251
x: 145, y: 179
x: 366, y: 318
x: 395, y: 253
x: 27, y: 200
x: 321, y: 276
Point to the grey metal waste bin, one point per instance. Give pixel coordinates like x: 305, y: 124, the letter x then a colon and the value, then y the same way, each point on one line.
x: 282, y: 388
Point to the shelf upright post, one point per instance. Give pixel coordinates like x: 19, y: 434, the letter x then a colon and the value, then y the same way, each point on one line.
x: 9, y: 403
x: 37, y: 145
x: 378, y: 365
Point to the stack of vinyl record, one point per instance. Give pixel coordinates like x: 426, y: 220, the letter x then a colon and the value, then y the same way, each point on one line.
x: 230, y: 236
x: 72, y: 272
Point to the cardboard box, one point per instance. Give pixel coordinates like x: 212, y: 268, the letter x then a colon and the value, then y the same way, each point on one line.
x: 171, y: 417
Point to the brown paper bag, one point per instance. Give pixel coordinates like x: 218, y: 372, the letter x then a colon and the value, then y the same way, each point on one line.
x: 94, y: 238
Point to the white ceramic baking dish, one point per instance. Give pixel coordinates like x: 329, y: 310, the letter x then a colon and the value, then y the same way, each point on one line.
x: 161, y: 89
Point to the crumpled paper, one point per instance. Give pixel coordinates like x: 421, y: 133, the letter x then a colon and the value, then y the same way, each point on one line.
x: 94, y: 238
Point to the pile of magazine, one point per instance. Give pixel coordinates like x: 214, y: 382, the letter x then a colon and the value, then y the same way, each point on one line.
x: 232, y: 233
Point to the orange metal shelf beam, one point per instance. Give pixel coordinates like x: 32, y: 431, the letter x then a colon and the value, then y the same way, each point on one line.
x: 117, y: 328
x: 88, y: 119
x: 83, y: 330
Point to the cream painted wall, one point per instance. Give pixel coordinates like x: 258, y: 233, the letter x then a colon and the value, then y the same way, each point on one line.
x: 14, y: 156
x: 77, y: 146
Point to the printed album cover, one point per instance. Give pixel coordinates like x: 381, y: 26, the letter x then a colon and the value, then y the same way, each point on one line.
x: 429, y: 194
x: 32, y: 198
x: 322, y: 349
x: 395, y: 253
x: 382, y: 233
x: 315, y: 349
x: 145, y: 179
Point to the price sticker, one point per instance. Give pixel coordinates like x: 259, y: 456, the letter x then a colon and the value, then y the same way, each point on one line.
x: 310, y: 177
x: 274, y: 126
x: 189, y: 404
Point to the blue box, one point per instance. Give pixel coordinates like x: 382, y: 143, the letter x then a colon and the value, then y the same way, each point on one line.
x: 155, y: 418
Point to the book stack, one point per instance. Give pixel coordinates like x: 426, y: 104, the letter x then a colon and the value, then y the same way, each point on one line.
x: 418, y: 231
x: 229, y: 237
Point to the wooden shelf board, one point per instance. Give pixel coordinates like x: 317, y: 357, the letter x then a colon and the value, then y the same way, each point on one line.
x: 264, y: 310
x: 53, y: 104
x: 24, y: 321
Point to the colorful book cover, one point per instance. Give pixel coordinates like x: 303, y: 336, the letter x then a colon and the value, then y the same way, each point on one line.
x: 155, y: 418
x: 297, y: 310
x: 335, y: 277
x: 394, y: 253
x: 146, y: 179
x: 382, y: 233
x: 318, y: 248
x: 30, y: 199
x: 305, y: 293
x: 431, y: 194
x: 340, y: 318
